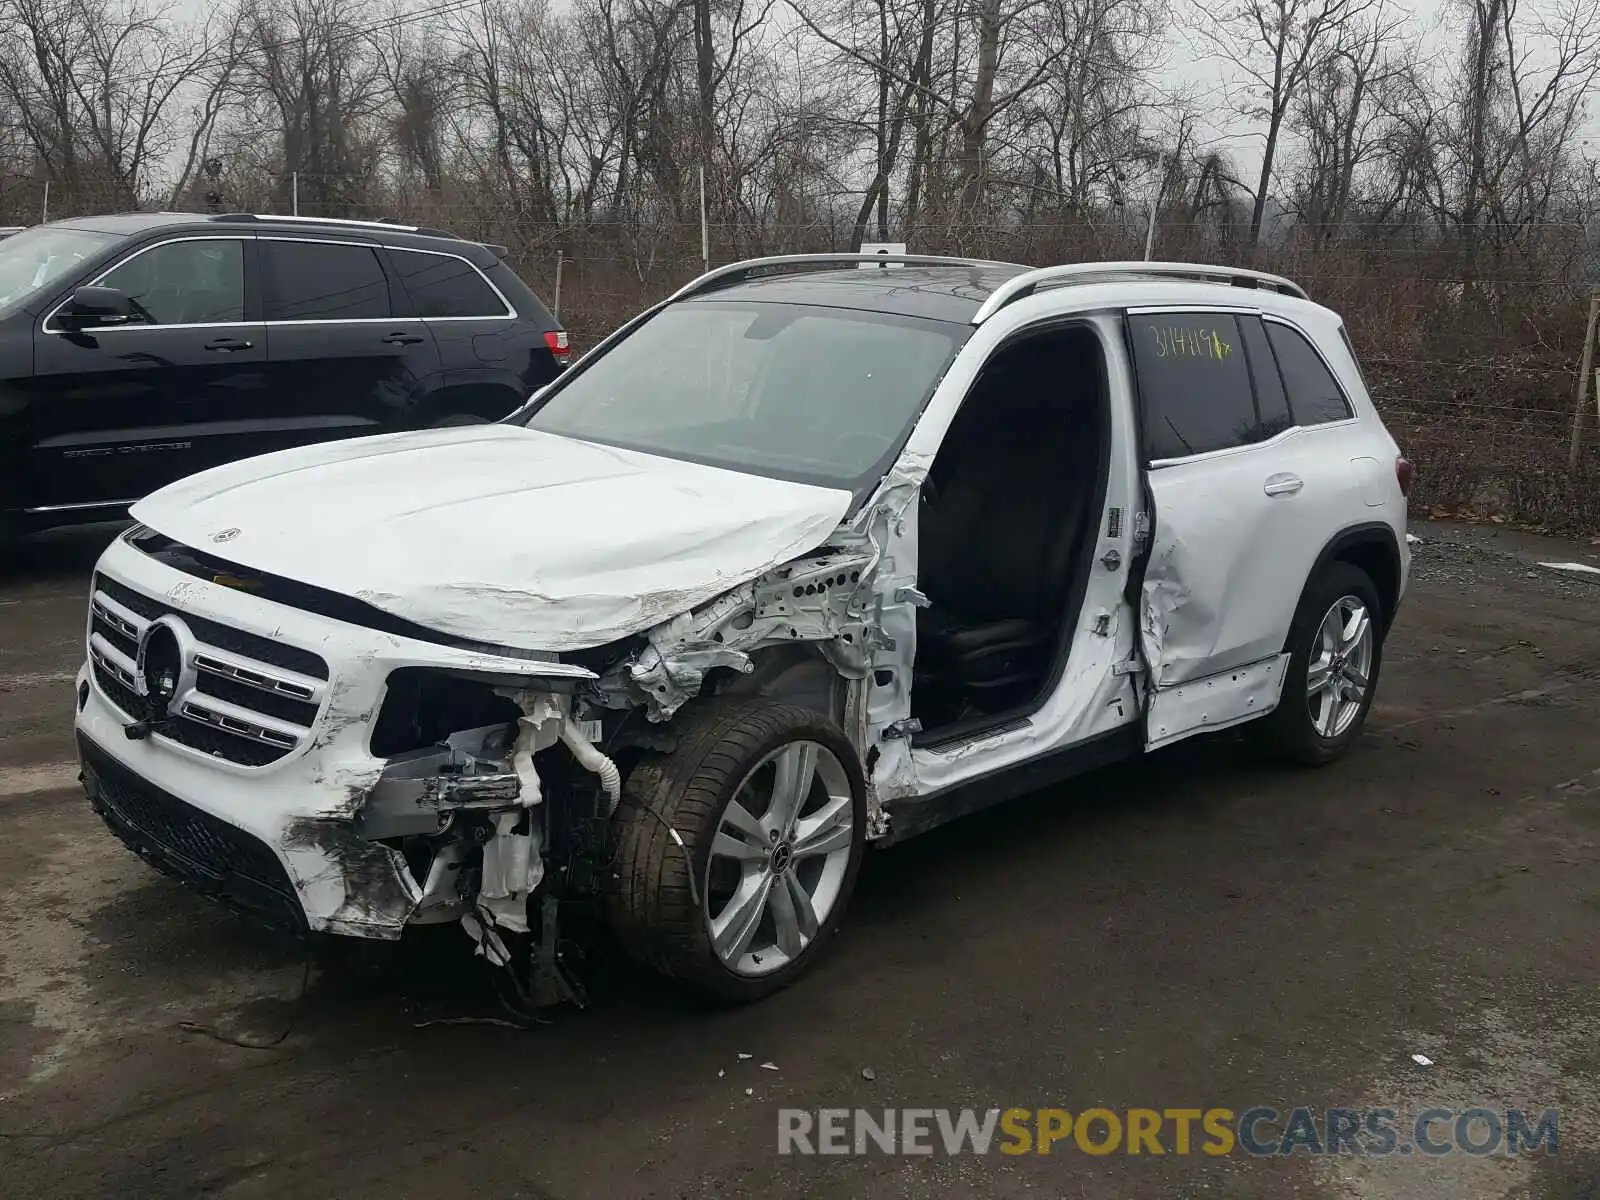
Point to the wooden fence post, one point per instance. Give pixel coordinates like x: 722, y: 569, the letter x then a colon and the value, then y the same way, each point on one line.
x: 1582, y: 408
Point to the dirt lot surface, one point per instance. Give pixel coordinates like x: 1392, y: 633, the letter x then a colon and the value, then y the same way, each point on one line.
x: 1191, y: 931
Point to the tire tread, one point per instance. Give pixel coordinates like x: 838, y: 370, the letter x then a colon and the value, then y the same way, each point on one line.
x: 653, y: 906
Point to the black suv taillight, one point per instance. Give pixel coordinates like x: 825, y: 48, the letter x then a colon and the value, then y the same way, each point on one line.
x: 556, y: 339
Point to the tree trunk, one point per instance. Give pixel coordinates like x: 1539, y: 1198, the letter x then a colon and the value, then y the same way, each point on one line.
x: 975, y: 127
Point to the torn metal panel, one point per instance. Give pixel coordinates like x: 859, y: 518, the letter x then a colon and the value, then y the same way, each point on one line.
x: 889, y: 524
x: 1177, y: 629
x: 810, y: 600
x: 362, y: 888
x: 610, y: 543
x: 443, y: 897
x: 1216, y: 702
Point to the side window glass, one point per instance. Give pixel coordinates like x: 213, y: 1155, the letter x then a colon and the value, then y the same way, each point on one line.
x: 1194, y: 383
x: 312, y: 281
x: 199, y: 282
x: 1314, y: 394
x: 1271, y: 400
x: 442, y: 286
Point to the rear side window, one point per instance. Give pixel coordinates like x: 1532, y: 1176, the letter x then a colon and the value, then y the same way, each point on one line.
x: 1314, y: 394
x: 443, y: 286
x: 312, y: 281
x: 1194, y: 383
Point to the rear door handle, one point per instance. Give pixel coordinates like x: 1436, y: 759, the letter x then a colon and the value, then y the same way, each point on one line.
x: 402, y: 339
x: 1283, y: 484
x: 229, y: 344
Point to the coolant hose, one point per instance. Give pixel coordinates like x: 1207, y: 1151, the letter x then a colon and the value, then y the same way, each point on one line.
x: 592, y: 760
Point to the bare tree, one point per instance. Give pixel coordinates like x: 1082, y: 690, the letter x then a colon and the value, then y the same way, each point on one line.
x: 890, y: 47
x: 1277, y: 45
x: 1092, y: 109
x: 1507, y: 135
x: 309, y: 74
x: 418, y: 77
x: 93, y: 85
x: 1339, y: 114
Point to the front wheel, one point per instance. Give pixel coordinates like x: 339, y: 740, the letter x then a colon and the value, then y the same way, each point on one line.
x: 737, y: 852
x: 1336, y: 650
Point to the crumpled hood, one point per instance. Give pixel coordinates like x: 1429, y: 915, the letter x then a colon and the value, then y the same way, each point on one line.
x: 498, y: 533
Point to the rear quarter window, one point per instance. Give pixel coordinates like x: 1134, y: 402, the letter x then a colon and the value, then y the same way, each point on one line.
x: 1315, y: 396
x: 441, y: 285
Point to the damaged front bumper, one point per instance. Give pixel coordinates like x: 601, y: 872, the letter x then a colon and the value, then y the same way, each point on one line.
x: 298, y: 876
x: 296, y: 841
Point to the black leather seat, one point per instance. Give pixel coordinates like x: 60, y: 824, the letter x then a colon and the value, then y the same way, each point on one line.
x: 1000, y: 535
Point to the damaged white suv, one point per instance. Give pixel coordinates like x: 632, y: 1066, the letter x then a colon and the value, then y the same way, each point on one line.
x: 818, y: 553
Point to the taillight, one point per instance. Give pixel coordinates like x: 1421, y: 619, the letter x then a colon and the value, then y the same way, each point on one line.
x: 556, y: 339
x: 1403, y: 472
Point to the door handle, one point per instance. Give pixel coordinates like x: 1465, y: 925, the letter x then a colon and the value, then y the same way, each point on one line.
x: 229, y: 344
x: 402, y: 339
x: 1283, y: 484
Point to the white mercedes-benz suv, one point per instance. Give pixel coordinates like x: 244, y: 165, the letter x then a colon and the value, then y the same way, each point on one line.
x: 818, y: 553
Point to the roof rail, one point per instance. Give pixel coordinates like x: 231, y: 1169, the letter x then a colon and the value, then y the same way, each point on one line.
x: 739, y: 272
x: 370, y: 223
x: 1094, y: 272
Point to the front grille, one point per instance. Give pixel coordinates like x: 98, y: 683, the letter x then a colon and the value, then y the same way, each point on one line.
x: 210, y: 855
x: 235, y: 641
x: 252, y: 700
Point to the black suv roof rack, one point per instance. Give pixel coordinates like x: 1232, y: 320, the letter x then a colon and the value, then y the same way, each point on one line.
x: 344, y: 222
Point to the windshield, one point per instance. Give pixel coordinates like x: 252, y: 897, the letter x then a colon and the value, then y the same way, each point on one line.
x: 34, y: 259
x: 817, y: 395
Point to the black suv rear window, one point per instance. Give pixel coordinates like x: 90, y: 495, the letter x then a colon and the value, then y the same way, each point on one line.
x: 322, y: 281
x: 441, y: 285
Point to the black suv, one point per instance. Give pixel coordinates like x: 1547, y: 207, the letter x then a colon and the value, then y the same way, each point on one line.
x: 140, y: 348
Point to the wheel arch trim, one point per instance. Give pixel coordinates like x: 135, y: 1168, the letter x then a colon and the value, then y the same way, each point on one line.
x: 1367, y: 535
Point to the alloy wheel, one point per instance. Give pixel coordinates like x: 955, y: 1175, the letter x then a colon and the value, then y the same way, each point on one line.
x: 1340, y: 670
x: 779, y: 858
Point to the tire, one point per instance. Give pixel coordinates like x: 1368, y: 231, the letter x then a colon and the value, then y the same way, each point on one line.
x: 1300, y: 730
x: 667, y: 898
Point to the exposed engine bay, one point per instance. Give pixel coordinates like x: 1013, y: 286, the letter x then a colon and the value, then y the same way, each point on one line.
x: 500, y: 796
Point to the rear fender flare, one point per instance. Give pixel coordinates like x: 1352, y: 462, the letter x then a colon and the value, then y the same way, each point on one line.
x: 1373, y: 547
